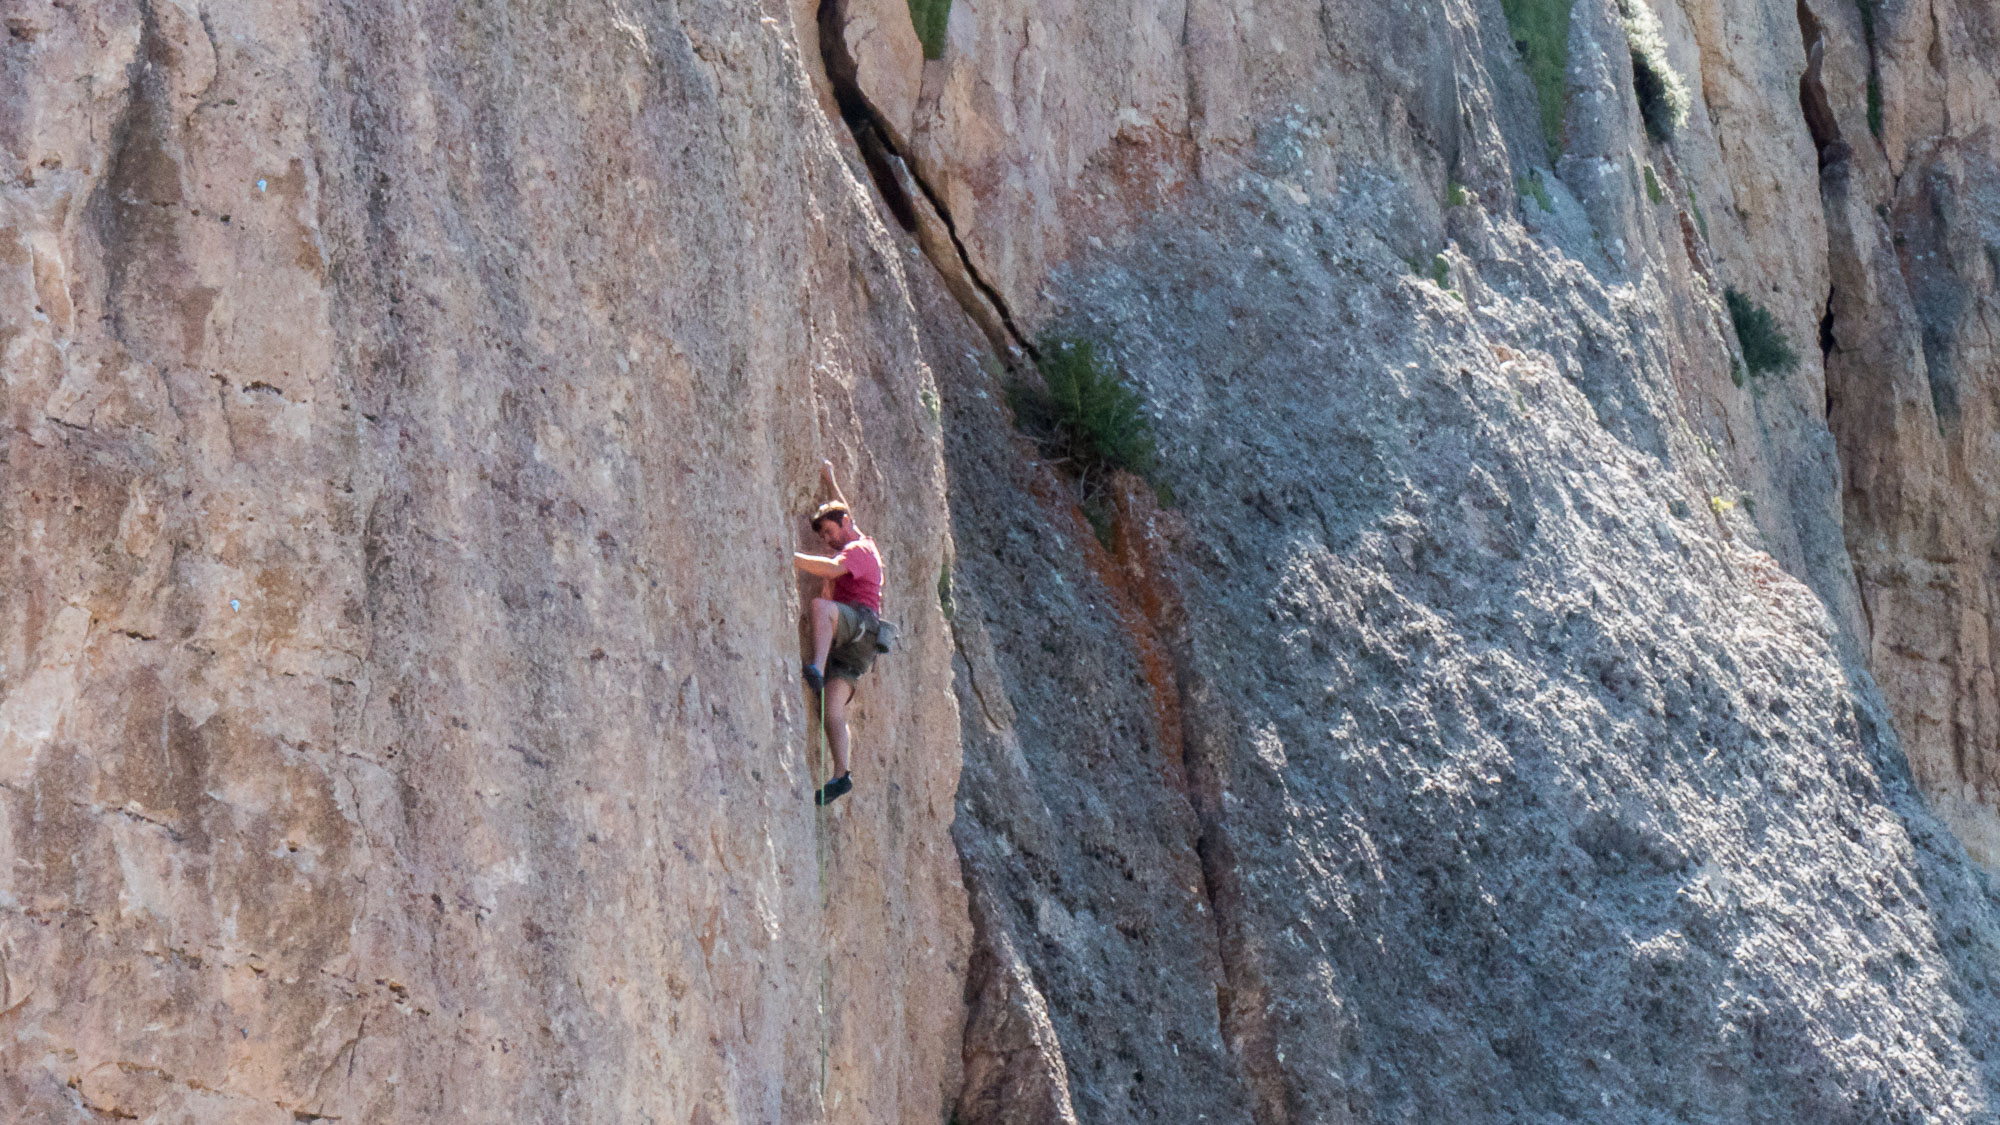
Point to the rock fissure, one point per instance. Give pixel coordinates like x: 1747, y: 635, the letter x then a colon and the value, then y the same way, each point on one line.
x: 888, y: 168
x: 1136, y: 572
x: 1813, y: 101
x: 1438, y: 758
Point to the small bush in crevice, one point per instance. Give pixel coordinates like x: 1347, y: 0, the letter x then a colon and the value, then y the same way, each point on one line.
x: 1532, y: 187
x: 1653, y: 192
x: 1455, y: 194
x: 928, y: 17
x: 1874, y: 68
x: 1085, y: 415
x: 1764, y: 348
x: 1663, y: 96
x: 1541, y: 35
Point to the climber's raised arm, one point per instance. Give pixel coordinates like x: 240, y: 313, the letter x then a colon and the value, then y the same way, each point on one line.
x: 833, y: 486
x: 820, y: 566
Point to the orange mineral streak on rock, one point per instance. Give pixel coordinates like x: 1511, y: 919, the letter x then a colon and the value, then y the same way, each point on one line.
x: 1148, y: 606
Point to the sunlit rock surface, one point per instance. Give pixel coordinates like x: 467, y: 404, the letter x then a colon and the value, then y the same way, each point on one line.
x: 1501, y: 704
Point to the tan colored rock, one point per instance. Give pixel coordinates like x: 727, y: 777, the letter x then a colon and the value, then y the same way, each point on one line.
x: 889, y: 60
x: 1911, y: 379
x: 408, y: 406
x: 408, y: 409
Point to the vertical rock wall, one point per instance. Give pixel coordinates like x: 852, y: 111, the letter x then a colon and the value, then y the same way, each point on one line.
x: 408, y: 409
x: 1504, y: 632
x: 1912, y: 198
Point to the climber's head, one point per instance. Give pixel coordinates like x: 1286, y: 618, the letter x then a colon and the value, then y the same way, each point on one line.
x: 835, y: 524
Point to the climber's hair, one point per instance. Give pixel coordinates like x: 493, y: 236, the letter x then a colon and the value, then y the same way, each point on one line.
x: 831, y: 510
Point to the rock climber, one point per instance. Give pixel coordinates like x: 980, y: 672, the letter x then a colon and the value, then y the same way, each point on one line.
x: 845, y: 620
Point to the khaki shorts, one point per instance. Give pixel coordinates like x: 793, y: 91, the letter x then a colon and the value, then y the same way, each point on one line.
x: 853, y: 651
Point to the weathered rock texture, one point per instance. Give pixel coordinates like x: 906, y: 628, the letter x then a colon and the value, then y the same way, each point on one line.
x: 1913, y: 383
x: 408, y: 409
x: 1442, y: 729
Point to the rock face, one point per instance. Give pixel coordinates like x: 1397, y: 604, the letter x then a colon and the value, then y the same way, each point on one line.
x: 1445, y: 762
x: 1521, y: 783
x: 1913, y: 207
x: 409, y: 406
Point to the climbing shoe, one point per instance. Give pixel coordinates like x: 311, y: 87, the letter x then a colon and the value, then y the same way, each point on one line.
x: 814, y: 678
x: 833, y: 790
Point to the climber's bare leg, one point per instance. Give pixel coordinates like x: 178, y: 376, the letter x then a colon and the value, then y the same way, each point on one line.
x: 826, y: 614
x: 838, y: 693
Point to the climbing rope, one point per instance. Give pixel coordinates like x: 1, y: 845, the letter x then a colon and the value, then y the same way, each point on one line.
x: 826, y: 942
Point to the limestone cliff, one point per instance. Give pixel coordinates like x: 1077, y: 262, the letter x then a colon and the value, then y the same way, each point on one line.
x: 409, y: 406
x: 1503, y: 633
x: 408, y: 412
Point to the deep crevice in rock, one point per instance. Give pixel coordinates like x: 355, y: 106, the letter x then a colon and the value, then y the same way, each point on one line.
x: 885, y: 161
x: 1242, y: 1013
x: 1813, y: 101
x: 870, y: 136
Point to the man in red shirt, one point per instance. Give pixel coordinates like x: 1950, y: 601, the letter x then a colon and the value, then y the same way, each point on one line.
x: 844, y: 618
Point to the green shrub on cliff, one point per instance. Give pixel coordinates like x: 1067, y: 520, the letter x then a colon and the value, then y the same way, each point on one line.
x: 1086, y: 413
x: 1874, y: 68
x: 1531, y: 186
x: 1541, y: 34
x: 1765, y: 350
x: 928, y: 17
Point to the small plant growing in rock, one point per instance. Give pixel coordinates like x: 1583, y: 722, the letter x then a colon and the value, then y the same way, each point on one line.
x: 1874, y: 71
x: 1531, y: 186
x: 1541, y: 35
x: 1086, y: 414
x: 1653, y: 192
x: 1441, y: 272
x: 1663, y: 95
x: 928, y: 17
x: 1455, y: 194
x: 1090, y: 419
x: 1765, y: 350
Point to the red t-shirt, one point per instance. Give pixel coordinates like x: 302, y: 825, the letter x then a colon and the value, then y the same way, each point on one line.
x: 862, y: 584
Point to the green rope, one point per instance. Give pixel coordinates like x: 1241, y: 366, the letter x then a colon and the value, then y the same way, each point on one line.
x: 826, y: 943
